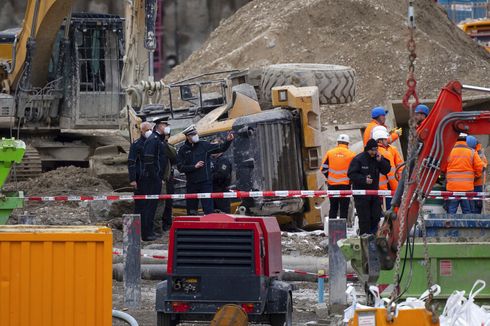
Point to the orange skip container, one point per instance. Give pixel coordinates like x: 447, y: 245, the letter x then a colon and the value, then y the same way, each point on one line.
x: 55, y: 275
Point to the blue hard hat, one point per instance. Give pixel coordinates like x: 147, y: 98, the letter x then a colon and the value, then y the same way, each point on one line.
x: 471, y: 141
x: 422, y: 108
x: 378, y: 111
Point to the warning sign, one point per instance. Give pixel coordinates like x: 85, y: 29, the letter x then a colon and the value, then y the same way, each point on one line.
x: 446, y: 268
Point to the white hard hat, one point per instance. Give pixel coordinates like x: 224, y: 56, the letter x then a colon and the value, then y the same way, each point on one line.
x: 462, y: 134
x: 380, y: 134
x: 344, y: 138
x: 383, y: 128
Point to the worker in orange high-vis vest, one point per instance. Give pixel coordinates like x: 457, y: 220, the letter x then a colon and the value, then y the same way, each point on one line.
x: 464, y: 165
x: 335, y: 164
x: 473, y: 143
x: 378, y: 114
x: 398, y: 161
x: 386, y: 181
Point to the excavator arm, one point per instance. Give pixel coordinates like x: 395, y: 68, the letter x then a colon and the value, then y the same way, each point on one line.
x: 32, y: 48
x: 436, y: 137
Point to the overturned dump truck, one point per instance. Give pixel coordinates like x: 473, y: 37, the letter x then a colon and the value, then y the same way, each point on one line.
x: 277, y: 146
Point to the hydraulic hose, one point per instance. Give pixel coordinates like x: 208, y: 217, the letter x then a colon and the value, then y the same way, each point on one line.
x: 124, y: 316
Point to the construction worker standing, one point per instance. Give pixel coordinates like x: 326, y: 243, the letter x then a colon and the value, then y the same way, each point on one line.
x: 335, y: 165
x: 364, y: 171
x: 386, y: 181
x: 464, y: 165
x: 421, y: 112
x: 378, y: 114
x: 473, y: 143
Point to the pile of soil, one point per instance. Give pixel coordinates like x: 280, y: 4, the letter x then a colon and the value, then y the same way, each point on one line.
x: 62, y: 181
x: 368, y: 35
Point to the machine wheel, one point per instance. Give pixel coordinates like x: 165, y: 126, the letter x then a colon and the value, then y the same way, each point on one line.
x: 284, y: 319
x: 164, y: 319
x: 336, y: 84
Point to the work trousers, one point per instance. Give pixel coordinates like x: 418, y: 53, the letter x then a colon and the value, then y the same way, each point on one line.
x: 477, y: 205
x: 369, y: 213
x: 167, y: 213
x: 335, y: 202
x: 193, y: 204
x: 139, y: 205
x: 150, y: 186
x: 452, y: 206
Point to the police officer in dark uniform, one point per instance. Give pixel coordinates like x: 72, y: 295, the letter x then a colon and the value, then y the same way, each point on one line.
x: 155, y: 161
x: 364, y: 173
x: 193, y: 159
x: 221, y: 170
x: 135, y: 164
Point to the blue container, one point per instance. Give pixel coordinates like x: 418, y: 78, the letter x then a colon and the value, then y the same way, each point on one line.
x: 461, y: 10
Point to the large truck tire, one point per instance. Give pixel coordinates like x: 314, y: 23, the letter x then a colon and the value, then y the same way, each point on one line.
x: 286, y: 318
x: 336, y: 84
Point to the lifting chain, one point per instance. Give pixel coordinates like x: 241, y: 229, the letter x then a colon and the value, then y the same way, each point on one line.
x: 410, y: 99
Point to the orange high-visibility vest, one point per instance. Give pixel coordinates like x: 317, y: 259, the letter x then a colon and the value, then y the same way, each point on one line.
x: 368, y: 133
x: 335, y: 164
x: 464, y: 165
x: 397, y: 159
x: 389, y: 179
x: 481, y: 180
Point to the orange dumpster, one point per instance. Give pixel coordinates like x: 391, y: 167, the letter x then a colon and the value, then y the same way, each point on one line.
x: 55, y: 276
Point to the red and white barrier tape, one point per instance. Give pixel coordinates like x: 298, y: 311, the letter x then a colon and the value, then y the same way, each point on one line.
x: 295, y: 271
x: 262, y: 194
x: 120, y: 253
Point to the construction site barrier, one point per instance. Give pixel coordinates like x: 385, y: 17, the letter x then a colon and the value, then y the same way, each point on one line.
x: 120, y: 253
x: 446, y: 195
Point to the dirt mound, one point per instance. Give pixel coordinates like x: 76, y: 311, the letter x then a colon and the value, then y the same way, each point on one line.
x: 63, y: 181
x: 368, y: 35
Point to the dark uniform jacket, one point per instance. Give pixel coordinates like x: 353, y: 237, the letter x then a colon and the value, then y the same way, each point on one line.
x: 135, y: 158
x: 155, y: 157
x: 363, y: 165
x: 189, y: 154
x: 221, y: 169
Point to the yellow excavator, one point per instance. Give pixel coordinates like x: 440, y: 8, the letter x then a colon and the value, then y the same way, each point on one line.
x: 60, y: 80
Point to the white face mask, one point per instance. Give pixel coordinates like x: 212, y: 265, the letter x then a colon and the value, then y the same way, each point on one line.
x: 195, y: 138
x: 148, y: 133
x: 166, y: 131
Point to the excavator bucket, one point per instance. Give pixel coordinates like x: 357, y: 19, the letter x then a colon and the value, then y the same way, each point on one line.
x: 11, y: 151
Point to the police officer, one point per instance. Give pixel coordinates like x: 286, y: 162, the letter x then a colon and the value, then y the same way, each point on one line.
x: 221, y: 170
x: 155, y: 162
x: 135, y: 165
x: 364, y: 171
x: 193, y: 159
x: 169, y: 180
x: 164, y: 208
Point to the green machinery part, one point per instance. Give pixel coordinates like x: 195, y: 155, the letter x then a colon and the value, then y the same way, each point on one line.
x: 11, y: 152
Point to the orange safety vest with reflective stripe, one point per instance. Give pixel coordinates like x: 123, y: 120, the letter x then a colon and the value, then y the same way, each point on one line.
x: 481, y: 180
x: 397, y: 159
x: 368, y: 133
x: 335, y: 164
x: 388, y: 179
x: 463, y: 167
